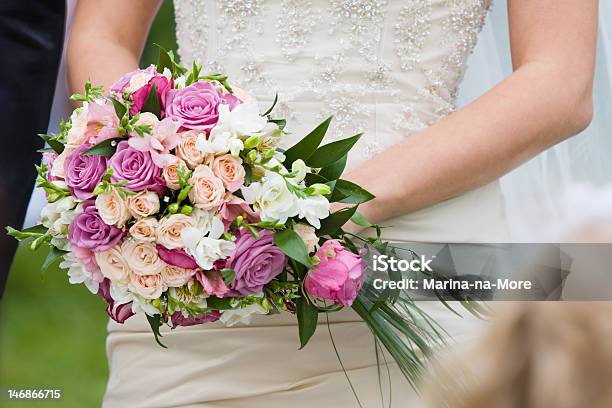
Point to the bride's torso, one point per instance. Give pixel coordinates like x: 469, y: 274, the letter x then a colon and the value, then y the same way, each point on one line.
x: 386, y: 68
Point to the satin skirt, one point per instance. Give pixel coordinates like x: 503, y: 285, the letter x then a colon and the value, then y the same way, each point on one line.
x: 260, y: 365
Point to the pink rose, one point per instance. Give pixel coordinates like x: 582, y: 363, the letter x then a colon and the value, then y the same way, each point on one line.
x: 142, y: 257
x: 170, y: 229
x: 143, y: 204
x: 113, y: 266
x: 135, y: 167
x: 208, y: 190
x: 338, y: 276
x: 175, y: 277
x: 229, y: 169
x: 188, y: 151
x: 197, y: 106
x: 145, y: 229
x: 88, y: 231
x: 139, y: 83
x: 159, y: 142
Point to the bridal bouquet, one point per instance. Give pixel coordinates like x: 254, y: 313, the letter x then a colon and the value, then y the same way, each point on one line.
x: 169, y: 196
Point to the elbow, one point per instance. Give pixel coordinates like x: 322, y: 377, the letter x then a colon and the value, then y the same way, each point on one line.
x: 580, y: 114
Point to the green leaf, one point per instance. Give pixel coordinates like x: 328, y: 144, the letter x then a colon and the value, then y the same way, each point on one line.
x: 307, y: 316
x: 215, y: 303
x: 334, y: 170
x: 57, y: 146
x: 271, y: 108
x: 330, y: 153
x: 155, y: 323
x: 360, y: 220
x: 53, y: 255
x: 350, y: 193
x: 228, y: 275
x: 314, y: 178
x: 281, y: 123
x: 32, y: 232
x: 164, y: 60
x: 106, y: 148
x: 308, y: 145
x: 335, y: 221
x: 152, y: 102
x: 120, y: 108
x: 293, y: 246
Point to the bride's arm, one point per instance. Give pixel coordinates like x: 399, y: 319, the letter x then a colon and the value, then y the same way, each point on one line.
x: 547, y: 99
x: 107, y: 39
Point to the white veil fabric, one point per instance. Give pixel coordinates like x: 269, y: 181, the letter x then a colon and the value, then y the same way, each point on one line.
x: 536, y: 192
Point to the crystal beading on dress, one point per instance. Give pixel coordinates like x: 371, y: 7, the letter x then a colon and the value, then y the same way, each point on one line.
x: 350, y: 58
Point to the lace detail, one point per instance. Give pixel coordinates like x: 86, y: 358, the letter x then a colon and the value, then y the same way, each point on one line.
x: 377, y: 65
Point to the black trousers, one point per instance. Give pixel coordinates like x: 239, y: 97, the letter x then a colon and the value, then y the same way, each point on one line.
x: 31, y: 38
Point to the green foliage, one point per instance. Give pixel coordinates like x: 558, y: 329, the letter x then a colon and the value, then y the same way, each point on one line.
x: 91, y: 93
x: 155, y: 322
x: 293, y: 246
x: 307, y: 316
x: 152, y: 102
x: 308, y: 145
x: 350, y: 193
x: 330, y: 153
x: 105, y: 148
x: 335, y: 221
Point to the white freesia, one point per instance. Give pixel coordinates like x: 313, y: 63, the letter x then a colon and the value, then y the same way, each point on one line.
x: 272, y: 198
x: 300, y: 169
x: 242, y: 315
x: 56, y: 217
x: 120, y: 293
x: 78, y: 274
x: 204, y: 244
x: 142, y: 305
x: 313, y: 209
x: 180, y: 82
x: 233, y: 126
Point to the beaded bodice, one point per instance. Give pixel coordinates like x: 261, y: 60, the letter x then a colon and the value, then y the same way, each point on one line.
x: 384, y: 67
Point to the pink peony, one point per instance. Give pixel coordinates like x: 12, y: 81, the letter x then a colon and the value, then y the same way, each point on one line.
x: 338, y: 276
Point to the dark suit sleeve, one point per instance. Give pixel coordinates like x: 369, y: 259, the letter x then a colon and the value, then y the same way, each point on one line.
x: 31, y: 38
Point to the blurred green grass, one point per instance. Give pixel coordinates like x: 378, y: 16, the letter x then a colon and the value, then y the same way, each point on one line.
x: 52, y: 333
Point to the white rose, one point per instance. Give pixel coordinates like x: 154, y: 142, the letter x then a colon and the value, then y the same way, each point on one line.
x: 170, y: 228
x: 143, y: 204
x: 206, y: 250
x: 313, y: 208
x: 142, y: 257
x: 113, y: 266
x: 307, y: 233
x: 272, y: 198
x: 145, y: 229
x: 242, y: 315
x: 112, y: 208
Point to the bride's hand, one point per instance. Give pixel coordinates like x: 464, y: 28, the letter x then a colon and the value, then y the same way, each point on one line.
x: 106, y: 40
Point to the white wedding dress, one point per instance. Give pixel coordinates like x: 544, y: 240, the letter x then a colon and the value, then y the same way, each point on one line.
x: 383, y: 67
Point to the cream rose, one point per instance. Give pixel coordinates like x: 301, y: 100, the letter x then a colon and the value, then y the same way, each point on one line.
x: 170, y: 229
x: 77, y: 134
x: 112, y: 208
x: 307, y: 233
x: 147, y: 286
x: 143, y: 204
x: 113, y: 266
x: 188, y: 151
x: 148, y: 119
x: 57, y: 169
x: 208, y: 190
x: 171, y: 174
x: 145, y: 229
x: 142, y: 257
x: 175, y: 277
x: 229, y: 169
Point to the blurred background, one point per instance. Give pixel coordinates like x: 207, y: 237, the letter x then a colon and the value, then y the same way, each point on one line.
x: 53, y: 332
